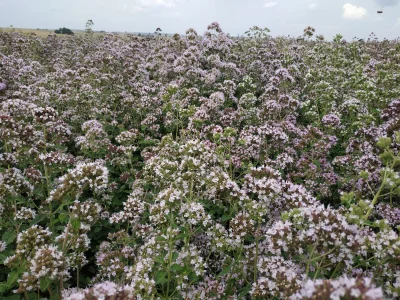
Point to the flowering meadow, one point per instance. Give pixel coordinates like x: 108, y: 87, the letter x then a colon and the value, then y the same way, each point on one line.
x: 199, y: 167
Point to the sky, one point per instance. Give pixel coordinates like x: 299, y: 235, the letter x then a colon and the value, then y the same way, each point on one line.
x: 351, y: 18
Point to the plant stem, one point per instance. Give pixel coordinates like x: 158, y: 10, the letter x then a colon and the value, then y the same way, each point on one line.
x: 316, y: 273
x: 334, y: 271
x: 376, y: 197
x: 309, y: 260
x: 77, y: 277
x: 323, y: 255
x: 256, y: 257
x: 169, y: 263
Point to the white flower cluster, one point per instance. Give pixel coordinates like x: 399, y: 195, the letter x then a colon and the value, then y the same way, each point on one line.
x: 340, y: 288
x: 85, y: 175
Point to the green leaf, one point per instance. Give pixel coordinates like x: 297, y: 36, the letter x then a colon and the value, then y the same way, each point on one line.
x: 4, y: 256
x: 245, y: 291
x: 76, y: 224
x: 13, y: 297
x: 55, y: 296
x: 63, y: 217
x: 176, y: 268
x: 37, y: 219
x: 3, y: 287
x: 174, y: 256
x: 9, y: 236
x: 225, y: 218
x: 161, y: 278
x: 44, y: 284
x: 160, y: 238
x: 181, y: 236
x: 12, y: 277
x: 225, y: 271
x: 32, y: 296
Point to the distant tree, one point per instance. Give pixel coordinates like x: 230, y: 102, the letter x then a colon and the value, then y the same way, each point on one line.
x: 256, y: 32
x: 64, y: 31
x: 88, y: 26
x: 158, y: 31
x: 308, y: 32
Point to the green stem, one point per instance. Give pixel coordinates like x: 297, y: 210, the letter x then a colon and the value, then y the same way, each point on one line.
x: 47, y: 177
x: 310, y: 259
x: 391, y: 198
x: 316, y: 272
x: 376, y: 197
x: 169, y: 263
x: 334, y: 271
x: 323, y: 255
x: 233, y: 265
x: 256, y: 257
x: 77, y: 277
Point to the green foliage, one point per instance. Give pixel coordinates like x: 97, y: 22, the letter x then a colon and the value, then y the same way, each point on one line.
x: 64, y: 30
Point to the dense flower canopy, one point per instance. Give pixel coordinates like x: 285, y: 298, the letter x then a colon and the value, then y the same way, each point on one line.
x: 199, y: 166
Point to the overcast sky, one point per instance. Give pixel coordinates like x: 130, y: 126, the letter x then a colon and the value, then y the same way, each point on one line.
x: 283, y: 17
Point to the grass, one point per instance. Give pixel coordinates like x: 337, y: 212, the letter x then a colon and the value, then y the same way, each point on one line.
x: 38, y: 32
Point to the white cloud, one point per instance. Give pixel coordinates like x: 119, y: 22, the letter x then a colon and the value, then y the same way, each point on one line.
x: 167, y: 14
x: 270, y: 4
x: 388, y: 2
x: 153, y: 3
x: 351, y: 11
x: 312, y: 6
x: 146, y: 5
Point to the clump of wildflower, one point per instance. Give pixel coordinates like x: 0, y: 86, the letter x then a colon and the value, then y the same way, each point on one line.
x: 391, y: 214
x: 87, y: 212
x: 133, y: 208
x: 340, y: 288
x: 8, y: 159
x: 91, y: 176
x: 114, y: 258
x: 332, y: 239
x: 95, y: 138
x: 208, y: 288
x: 127, y: 138
x: 277, y: 278
x: 193, y: 258
x: 45, y: 114
x: 13, y: 182
x: 28, y: 242
x: 33, y: 174
x: 3, y: 246
x: 103, y: 290
x: 331, y: 121
x: 241, y: 225
x: 194, y: 214
x: 48, y: 263
x: 25, y: 213
x: 56, y: 158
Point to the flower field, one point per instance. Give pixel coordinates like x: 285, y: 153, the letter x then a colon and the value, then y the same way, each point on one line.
x: 199, y: 167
